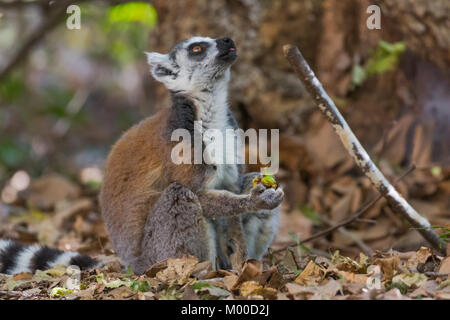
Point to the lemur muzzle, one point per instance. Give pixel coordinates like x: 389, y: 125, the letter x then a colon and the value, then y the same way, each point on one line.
x: 227, y: 49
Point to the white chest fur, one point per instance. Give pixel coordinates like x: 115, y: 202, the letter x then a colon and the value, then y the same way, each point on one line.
x: 222, y: 146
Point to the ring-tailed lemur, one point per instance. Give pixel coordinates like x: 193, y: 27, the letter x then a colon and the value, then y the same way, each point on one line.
x: 155, y: 209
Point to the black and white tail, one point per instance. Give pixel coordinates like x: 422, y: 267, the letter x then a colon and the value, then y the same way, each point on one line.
x: 16, y: 258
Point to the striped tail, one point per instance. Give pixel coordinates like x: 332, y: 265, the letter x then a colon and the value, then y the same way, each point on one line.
x: 16, y: 258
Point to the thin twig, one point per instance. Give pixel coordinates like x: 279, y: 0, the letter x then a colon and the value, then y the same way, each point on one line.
x: 356, y: 150
x: 436, y: 274
x: 366, y: 220
x: 348, y: 221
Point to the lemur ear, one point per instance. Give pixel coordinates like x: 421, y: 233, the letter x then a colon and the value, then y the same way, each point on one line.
x: 160, y: 64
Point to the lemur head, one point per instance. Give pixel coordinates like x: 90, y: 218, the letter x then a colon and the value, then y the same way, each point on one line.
x: 195, y: 65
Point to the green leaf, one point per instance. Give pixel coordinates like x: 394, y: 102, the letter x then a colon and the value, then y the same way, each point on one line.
x: 385, y: 58
x: 311, y: 215
x: 300, y: 245
x: 128, y: 274
x: 12, y: 87
x: 41, y: 276
x: 60, y: 292
x: 100, y: 278
x: 115, y: 283
x: 12, y: 284
x: 397, y: 47
x: 134, y: 11
x: 359, y: 75
x: 400, y: 286
x: 56, y: 271
x: 208, y: 290
x: 200, y: 285
x: 142, y: 286
x: 294, y: 237
x: 12, y: 152
x: 93, y: 185
x: 171, y: 294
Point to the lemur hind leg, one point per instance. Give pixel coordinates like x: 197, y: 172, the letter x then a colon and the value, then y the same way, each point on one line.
x: 236, y: 245
x: 174, y: 227
x: 260, y: 227
x: 231, y: 247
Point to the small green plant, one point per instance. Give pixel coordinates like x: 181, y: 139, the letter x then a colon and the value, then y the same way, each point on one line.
x: 300, y: 245
x: 208, y: 291
x: 311, y: 214
x: 13, y: 87
x: 297, y: 271
x: 383, y: 59
x: 400, y: 286
x: 142, y: 286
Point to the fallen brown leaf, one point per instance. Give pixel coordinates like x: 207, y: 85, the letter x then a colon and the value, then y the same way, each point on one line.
x: 327, y: 291
x: 202, y: 269
x: 443, y: 294
x: 230, y: 281
x: 22, y: 276
x: 421, y: 256
x: 389, y: 266
x: 178, y: 270
x: 253, y: 288
x: 354, y: 277
x: 426, y: 289
x: 154, y: 269
x: 445, y: 266
x: 251, y: 270
x: 312, y: 275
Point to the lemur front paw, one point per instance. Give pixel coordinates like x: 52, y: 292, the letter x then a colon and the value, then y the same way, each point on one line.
x: 263, y: 198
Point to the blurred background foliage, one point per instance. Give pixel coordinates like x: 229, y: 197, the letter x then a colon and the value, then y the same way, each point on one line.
x: 61, y: 91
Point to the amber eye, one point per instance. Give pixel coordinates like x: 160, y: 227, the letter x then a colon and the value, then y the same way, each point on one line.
x: 197, y: 49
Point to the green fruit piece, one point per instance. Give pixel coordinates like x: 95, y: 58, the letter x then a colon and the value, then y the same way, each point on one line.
x: 268, y: 181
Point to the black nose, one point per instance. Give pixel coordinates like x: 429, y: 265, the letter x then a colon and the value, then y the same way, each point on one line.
x: 227, y: 40
x: 227, y: 50
x: 225, y: 43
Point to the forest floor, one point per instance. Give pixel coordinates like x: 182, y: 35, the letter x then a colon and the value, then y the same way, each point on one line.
x: 61, y: 214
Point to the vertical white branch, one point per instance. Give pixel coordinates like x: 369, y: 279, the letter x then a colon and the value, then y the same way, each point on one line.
x: 356, y: 150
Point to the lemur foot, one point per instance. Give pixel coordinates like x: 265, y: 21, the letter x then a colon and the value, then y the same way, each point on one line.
x: 266, y: 198
x: 238, y: 254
